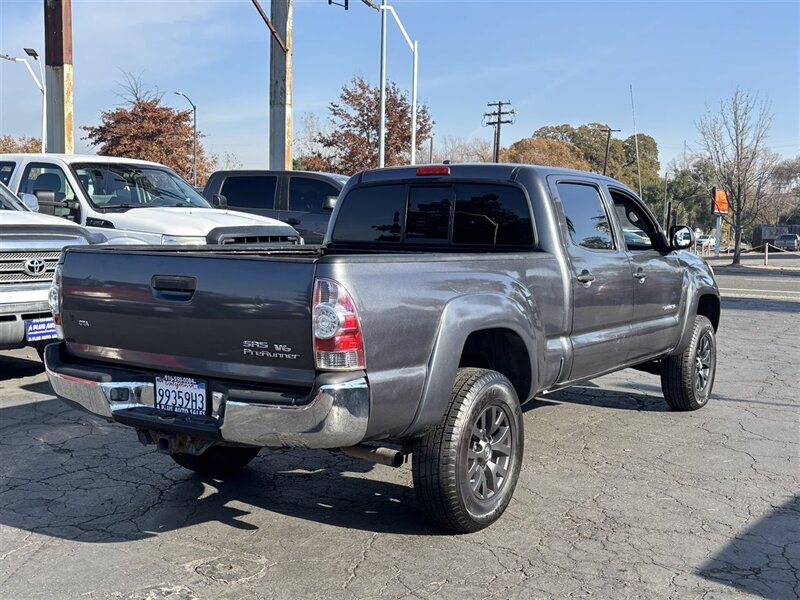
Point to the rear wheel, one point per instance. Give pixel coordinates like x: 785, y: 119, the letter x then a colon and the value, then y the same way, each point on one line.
x: 465, y: 469
x: 217, y: 461
x: 687, y: 378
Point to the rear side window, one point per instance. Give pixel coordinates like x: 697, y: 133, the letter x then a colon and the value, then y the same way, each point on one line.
x: 6, y: 169
x: 492, y: 215
x: 587, y: 220
x: 372, y: 214
x: 474, y: 214
x: 250, y: 191
x: 308, y: 195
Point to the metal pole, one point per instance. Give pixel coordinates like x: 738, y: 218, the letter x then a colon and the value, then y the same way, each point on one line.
x: 44, y: 106
x: 194, y: 146
x: 58, y: 75
x: 430, y: 157
x: 636, y: 143
x: 414, y: 107
x: 382, y: 117
x: 666, y: 175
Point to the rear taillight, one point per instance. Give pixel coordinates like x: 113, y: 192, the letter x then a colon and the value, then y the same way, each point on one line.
x: 337, y: 330
x: 54, y: 300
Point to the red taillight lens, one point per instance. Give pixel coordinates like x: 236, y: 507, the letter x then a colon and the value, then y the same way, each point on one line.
x: 433, y: 170
x: 337, y: 330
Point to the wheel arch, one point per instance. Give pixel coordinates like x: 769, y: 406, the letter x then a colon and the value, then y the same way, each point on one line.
x: 502, y: 332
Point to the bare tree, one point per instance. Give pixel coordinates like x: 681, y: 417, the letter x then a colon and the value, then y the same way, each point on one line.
x: 458, y: 149
x: 734, y: 138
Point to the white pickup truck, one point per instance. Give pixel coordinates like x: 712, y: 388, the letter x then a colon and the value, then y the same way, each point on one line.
x: 30, y: 245
x: 132, y: 201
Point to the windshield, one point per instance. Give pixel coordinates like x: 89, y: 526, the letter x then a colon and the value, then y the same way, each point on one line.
x: 119, y: 187
x: 9, y: 201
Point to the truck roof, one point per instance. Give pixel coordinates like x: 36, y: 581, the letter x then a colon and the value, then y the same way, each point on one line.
x: 77, y: 158
x: 498, y: 171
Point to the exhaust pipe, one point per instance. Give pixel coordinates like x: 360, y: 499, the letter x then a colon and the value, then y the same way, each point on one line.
x: 376, y: 454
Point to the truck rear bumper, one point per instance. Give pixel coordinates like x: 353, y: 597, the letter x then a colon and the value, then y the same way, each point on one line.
x: 335, y: 415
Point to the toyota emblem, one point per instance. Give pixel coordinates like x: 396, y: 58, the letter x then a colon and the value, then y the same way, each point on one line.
x: 35, y: 267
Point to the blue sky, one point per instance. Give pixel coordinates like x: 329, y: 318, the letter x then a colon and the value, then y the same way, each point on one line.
x: 558, y: 62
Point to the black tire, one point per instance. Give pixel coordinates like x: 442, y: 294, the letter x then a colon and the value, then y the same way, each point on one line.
x: 40, y: 352
x: 217, y: 461
x: 451, y: 462
x: 687, y: 378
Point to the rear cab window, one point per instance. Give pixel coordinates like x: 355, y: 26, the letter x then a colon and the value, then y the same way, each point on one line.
x: 463, y: 215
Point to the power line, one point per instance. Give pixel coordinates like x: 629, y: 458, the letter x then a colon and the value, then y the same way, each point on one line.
x: 498, y: 121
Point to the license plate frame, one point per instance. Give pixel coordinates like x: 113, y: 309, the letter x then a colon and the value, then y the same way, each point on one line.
x: 182, y: 395
x: 40, y: 330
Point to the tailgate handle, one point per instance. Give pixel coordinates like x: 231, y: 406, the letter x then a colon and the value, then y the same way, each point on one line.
x: 176, y: 287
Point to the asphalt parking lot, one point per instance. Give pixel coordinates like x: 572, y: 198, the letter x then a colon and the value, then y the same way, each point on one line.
x: 618, y: 498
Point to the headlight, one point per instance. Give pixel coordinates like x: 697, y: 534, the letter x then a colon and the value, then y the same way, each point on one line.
x: 184, y: 240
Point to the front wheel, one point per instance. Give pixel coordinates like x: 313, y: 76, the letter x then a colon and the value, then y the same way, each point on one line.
x: 466, y: 468
x: 217, y: 461
x: 687, y: 378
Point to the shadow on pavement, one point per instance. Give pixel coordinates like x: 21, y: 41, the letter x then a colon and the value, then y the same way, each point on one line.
x: 73, y: 476
x: 590, y: 394
x: 13, y: 367
x: 763, y: 560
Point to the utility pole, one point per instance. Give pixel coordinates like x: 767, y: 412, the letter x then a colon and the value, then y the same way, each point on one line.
x: 280, y: 82
x: 608, y: 147
x: 382, y: 115
x: 430, y: 156
x: 498, y: 122
x: 58, y: 76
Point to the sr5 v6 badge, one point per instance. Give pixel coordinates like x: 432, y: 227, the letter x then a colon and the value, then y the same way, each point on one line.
x: 267, y: 350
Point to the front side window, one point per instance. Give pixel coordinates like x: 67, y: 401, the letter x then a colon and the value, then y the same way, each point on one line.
x: 250, y: 191
x: 43, y: 177
x: 120, y: 187
x: 640, y: 234
x: 308, y: 195
x: 587, y: 221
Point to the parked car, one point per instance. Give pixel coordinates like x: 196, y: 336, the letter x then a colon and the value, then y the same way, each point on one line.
x: 707, y: 241
x: 303, y: 199
x: 788, y: 241
x: 30, y: 245
x: 133, y: 201
x: 444, y: 297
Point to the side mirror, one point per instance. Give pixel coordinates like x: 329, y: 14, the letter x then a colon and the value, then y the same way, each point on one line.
x: 329, y: 202
x: 30, y: 201
x: 219, y: 201
x: 681, y: 236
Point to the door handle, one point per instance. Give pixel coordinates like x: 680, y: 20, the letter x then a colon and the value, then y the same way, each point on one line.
x: 640, y: 275
x: 586, y: 278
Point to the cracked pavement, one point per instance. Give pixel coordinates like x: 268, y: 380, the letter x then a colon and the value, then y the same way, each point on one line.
x: 618, y: 498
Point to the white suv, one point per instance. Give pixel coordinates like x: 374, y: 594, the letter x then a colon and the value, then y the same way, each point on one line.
x: 132, y: 201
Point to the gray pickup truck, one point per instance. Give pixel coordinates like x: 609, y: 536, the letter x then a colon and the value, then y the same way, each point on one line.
x: 444, y: 297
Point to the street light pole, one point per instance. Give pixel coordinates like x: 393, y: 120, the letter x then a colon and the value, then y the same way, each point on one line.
x: 382, y: 117
x: 414, y: 46
x: 42, y: 86
x: 194, y: 138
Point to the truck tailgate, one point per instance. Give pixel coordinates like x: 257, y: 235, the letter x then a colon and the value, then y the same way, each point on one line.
x: 220, y: 315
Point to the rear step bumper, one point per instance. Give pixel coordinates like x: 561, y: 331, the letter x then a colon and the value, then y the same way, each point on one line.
x: 336, y: 415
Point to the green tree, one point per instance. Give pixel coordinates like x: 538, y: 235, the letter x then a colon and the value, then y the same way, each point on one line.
x: 548, y: 152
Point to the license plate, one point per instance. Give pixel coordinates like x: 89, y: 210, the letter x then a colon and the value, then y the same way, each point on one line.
x: 38, y: 330
x: 180, y: 394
